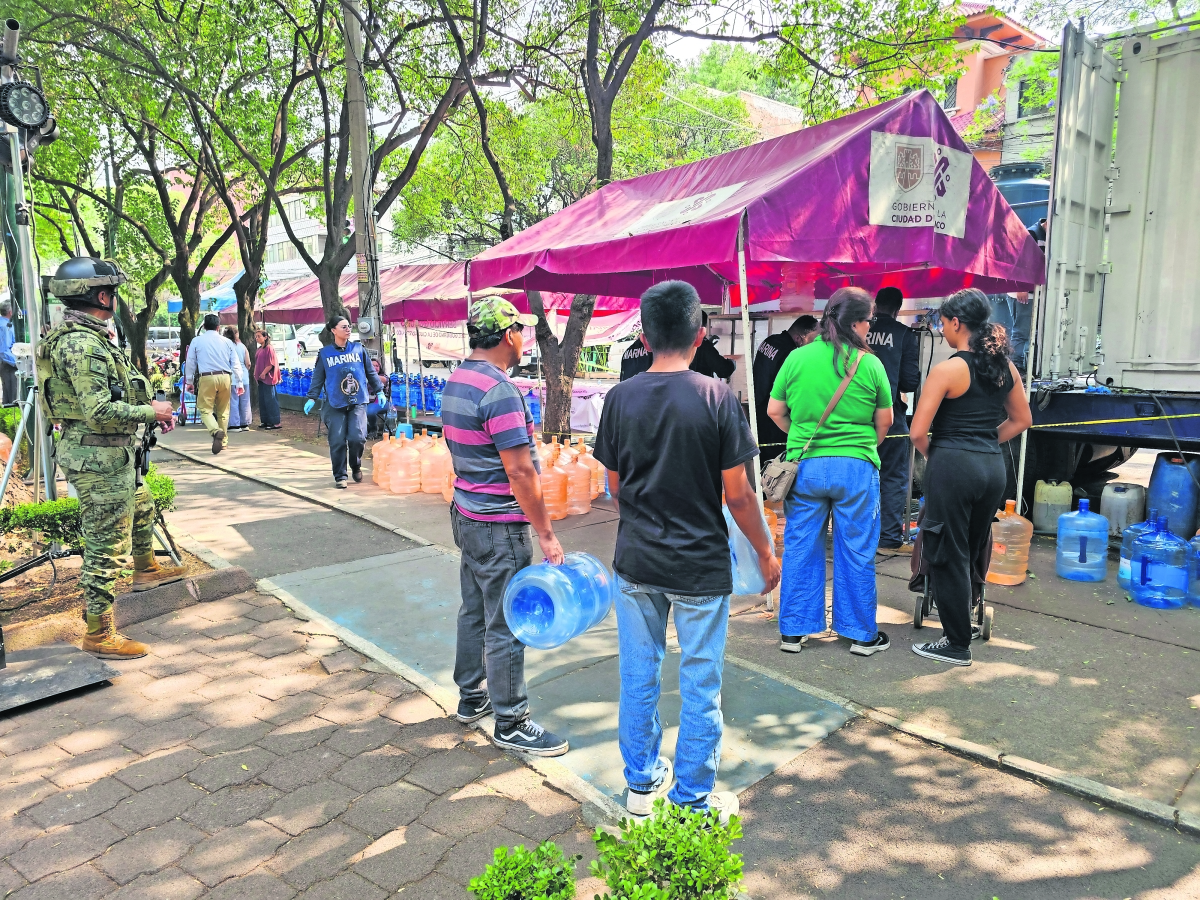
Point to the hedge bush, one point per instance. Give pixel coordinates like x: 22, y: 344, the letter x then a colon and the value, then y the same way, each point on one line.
x: 540, y: 874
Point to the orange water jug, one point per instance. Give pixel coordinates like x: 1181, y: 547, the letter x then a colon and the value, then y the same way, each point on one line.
x: 404, y: 469
x: 434, y: 460
x: 423, y: 441
x: 776, y: 520
x: 5, y: 448
x: 772, y: 524
x: 554, y: 491
x: 448, y: 482
x: 379, y: 454
x: 585, y: 457
x: 1011, y: 536
x: 579, y: 487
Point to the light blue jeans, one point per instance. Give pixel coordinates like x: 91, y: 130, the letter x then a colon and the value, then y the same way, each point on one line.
x: 700, y: 626
x: 849, y: 488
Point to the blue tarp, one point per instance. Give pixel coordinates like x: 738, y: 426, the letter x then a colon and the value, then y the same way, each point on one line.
x: 213, y: 300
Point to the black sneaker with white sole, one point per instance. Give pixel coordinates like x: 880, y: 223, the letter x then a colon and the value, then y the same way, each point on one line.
x: 941, y: 651
x: 792, y: 643
x: 531, y: 738
x: 473, y: 710
x: 867, y: 648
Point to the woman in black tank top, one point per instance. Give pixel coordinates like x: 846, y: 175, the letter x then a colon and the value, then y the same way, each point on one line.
x: 972, y: 402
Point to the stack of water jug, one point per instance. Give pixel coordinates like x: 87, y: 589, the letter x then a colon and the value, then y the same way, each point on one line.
x: 296, y: 382
x: 571, y: 478
x: 424, y: 392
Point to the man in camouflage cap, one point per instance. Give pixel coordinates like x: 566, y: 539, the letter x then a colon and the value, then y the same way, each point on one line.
x: 89, y: 387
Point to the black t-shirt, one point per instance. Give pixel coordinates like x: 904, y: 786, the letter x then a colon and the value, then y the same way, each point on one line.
x: 668, y: 436
x: 635, y: 360
x: 768, y: 360
x: 707, y: 361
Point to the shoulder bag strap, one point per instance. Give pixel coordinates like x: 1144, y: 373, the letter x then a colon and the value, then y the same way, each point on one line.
x: 833, y: 402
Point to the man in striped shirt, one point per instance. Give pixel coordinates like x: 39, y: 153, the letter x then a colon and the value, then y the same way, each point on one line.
x: 497, y: 494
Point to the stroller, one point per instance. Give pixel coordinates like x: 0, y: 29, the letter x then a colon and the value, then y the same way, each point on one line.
x: 920, y: 583
x: 183, y: 417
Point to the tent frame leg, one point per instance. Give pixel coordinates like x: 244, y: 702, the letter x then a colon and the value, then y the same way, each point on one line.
x: 748, y: 355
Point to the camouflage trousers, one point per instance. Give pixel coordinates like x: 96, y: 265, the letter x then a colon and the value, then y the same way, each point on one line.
x: 116, y: 516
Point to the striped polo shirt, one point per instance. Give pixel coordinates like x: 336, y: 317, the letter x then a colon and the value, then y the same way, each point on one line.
x: 483, y: 413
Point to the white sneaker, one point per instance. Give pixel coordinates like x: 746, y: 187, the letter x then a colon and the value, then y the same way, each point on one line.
x: 725, y: 803
x: 641, y: 804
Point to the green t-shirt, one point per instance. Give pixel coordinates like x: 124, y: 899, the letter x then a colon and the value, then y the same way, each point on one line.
x: 807, y: 382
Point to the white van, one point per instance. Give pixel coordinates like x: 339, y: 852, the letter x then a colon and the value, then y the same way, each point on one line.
x: 162, y: 338
x: 285, y: 343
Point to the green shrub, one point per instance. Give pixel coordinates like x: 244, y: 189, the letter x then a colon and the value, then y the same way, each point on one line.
x: 676, y: 854
x: 520, y: 874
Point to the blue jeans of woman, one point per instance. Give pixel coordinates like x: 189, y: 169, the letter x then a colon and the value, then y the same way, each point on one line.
x: 239, y: 408
x: 701, y: 624
x: 347, y: 436
x: 268, y: 404
x: 847, y: 488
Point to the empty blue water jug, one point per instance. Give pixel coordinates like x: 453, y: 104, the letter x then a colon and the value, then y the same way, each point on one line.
x: 545, y: 606
x: 1127, y: 539
x: 1082, y: 545
x: 747, y: 577
x: 404, y: 429
x: 1160, y: 568
x: 1173, y: 491
x: 535, y: 407
x: 1193, y: 594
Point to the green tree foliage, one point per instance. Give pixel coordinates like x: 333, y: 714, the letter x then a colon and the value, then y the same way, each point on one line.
x: 730, y: 68
x: 1101, y: 15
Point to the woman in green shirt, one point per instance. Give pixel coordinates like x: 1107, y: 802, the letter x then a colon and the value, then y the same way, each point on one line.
x: 838, y: 475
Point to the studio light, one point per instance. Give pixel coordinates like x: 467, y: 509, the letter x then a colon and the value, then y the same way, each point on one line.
x: 23, y: 105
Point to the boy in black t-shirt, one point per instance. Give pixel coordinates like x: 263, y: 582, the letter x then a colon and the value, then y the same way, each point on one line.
x: 671, y: 439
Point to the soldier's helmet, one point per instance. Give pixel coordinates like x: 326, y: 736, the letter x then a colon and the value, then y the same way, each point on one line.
x: 79, y: 281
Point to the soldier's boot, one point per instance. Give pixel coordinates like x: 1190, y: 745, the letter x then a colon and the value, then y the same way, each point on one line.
x: 102, y: 639
x: 147, y: 573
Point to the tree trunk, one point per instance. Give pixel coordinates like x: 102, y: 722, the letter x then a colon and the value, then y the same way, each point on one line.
x: 189, y: 316
x: 331, y: 296
x: 602, y: 137
x: 246, y: 290
x: 560, y: 360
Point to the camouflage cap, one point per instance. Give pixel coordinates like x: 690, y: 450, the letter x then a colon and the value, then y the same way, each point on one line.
x: 490, y: 315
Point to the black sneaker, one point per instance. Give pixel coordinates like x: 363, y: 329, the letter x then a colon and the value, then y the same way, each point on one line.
x: 531, y: 738
x: 868, y: 648
x: 941, y: 651
x: 357, y: 476
x: 790, y: 643
x: 473, y: 710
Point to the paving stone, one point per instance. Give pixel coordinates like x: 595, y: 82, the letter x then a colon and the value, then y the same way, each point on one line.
x: 318, y: 852
x: 289, y: 664
x: 288, y: 642
x: 342, y: 661
x: 18, y: 795
x: 231, y: 806
x: 524, y: 820
x: 360, y: 706
x: 148, y: 851
x: 387, y: 808
x: 99, y: 703
x: 87, y: 768
x: 227, y: 610
x: 230, y: 628
x: 258, y: 885
x: 15, y: 833
x: 259, y: 598
x: 392, y: 686
x: 230, y: 662
x: 431, y: 736
x: 413, y: 709
x: 470, y: 856
x: 64, y: 848
x: 276, y: 627
x: 299, y: 735
x: 510, y: 778
x: 167, y: 710
x: 269, y: 613
x: 323, y: 644
x: 445, y: 771
x: 351, y: 740
x: 180, y: 664
x: 160, y: 767
x: 293, y: 707
x: 103, y: 734
x: 233, y: 852
x: 10, y: 880
x: 168, y: 734
x: 231, y: 685
x: 309, y: 807
x: 80, y: 883
x: 373, y: 769
x: 465, y: 812
x: 289, y: 772
x: 37, y: 762
x: 154, y: 805
x: 37, y: 734
x: 437, y: 887
x: 346, y: 886
x: 403, y: 856
x: 222, y: 739
x: 237, y: 767
x: 286, y: 685
x: 241, y: 709
x: 164, y: 688
x: 234, y: 643
x: 343, y: 683
x: 169, y: 884
x: 78, y: 804
x: 479, y: 744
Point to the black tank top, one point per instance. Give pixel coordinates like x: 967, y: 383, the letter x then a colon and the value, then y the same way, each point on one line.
x: 971, y: 422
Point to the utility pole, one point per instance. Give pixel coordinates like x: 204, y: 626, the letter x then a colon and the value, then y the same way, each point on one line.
x: 370, y: 306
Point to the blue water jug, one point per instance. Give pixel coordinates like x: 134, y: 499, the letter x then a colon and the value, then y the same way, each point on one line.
x: 1127, y: 539
x: 1193, y: 594
x: 545, y: 606
x: 404, y: 429
x: 535, y: 407
x: 282, y: 387
x: 1160, y: 568
x: 747, y: 577
x: 1173, y: 491
x: 1082, y: 545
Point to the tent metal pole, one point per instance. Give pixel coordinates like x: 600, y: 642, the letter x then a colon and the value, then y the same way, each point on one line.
x: 407, y: 399
x: 1029, y: 352
x: 420, y: 370
x: 745, y: 299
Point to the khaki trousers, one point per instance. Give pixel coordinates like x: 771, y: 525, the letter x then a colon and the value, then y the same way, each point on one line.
x: 212, y: 402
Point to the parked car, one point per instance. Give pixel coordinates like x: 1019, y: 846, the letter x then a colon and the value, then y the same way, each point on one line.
x: 162, y: 338
x: 288, y: 348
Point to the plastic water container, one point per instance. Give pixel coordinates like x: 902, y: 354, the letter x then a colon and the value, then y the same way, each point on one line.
x: 1011, y: 536
x: 379, y: 454
x: 1050, y: 500
x: 1082, y: 545
x: 545, y: 606
x: 554, y: 491
x: 404, y: 470
x: 434, y: 460
x: 1173, y: 491
x: 1128, y: 536
x: 448, y: 483
x: 747, y: 577
x: 579, y: 487
x: 1193, y: 594
x: 1160, y: 568
x: 404, y: 429
x: 596, y: 487
x: 535, y: 407
x: 1123, y: 505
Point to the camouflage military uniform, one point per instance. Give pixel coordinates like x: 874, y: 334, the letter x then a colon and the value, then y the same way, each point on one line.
x: 78, y: 369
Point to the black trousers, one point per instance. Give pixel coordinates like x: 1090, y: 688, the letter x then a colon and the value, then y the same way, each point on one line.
x: 893, y: 482
x: 963, y: 490
x: 8, y: 383
x: 347, y: 436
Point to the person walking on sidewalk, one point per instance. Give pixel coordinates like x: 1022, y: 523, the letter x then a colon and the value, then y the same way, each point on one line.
x: 240, y: 416
x: 497, y: 494
x: 973, y: 402
x: 267, y: 375
x: 211, y: 370
x: 343, y: 373
x: 671, y: 439
x: 832, y: 399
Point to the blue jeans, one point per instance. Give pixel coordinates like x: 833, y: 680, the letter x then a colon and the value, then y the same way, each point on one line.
x: 849, y: 488
x: 700, y: 625
x: 347, y: 436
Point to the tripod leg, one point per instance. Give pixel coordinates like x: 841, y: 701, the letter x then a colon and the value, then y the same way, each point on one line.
x: 164, y: 537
